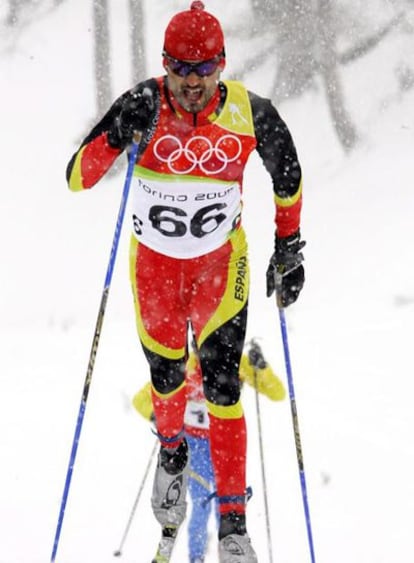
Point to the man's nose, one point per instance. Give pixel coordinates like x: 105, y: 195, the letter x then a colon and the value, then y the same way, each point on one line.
x: 193, y: 79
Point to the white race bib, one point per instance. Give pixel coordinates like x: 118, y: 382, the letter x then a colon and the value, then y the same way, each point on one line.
x: 196, y: 415
x: 184, y: 219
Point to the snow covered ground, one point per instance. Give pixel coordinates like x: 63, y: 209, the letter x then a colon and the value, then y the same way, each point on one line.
x: 350, y: 332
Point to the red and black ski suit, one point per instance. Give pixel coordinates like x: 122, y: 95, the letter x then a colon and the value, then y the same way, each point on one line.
x: 188, y: 258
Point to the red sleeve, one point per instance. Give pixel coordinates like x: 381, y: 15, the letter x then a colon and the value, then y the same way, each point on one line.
x: 288, y: 211
x: 91, y: 162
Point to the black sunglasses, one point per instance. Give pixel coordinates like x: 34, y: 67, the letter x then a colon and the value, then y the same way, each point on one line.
x: 203, y: 68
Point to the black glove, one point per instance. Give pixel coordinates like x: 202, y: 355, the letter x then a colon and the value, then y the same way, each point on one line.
x: 285, y: 273
x: 255, y: 356
x: 134, y: 116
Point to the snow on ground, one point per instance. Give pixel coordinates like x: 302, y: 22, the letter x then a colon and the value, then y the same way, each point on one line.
x: 350, y: 332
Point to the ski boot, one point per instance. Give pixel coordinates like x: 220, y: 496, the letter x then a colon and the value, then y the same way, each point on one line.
x: 234, y: 542
x: 170, y: 486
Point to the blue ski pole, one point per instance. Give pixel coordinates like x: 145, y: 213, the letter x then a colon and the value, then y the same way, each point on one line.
x: 108, y: 278
x: 295, y: 421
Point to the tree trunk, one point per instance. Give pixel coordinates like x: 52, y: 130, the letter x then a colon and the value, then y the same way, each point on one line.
x: 102, y: 56
x: 137, y: 27
x: 294, y: 37
x: 341, y: 120
x: 12, y: 17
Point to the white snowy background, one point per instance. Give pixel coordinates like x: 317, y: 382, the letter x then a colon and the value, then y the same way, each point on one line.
x: 350, y: 333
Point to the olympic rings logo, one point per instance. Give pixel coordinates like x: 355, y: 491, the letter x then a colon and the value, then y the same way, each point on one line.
x: 198, y: 151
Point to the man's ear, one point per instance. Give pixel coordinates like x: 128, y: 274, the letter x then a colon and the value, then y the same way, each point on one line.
x: 165, y: 62
x: 222, y: 64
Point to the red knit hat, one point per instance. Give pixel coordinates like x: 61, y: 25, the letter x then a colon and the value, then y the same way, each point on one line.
x: 194, y: 35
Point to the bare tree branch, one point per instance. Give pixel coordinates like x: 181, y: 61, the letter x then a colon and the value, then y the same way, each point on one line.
x: 251, y: 63
x: 370, y: 42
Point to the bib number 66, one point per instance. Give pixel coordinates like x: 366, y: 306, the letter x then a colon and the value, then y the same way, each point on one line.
x: 174, y: 222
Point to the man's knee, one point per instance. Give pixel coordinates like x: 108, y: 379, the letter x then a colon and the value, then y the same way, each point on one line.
x: 166, y: 374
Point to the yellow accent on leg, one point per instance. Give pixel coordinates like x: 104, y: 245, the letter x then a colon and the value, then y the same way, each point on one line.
x: 237, y: 289
x: 146, y: 339
x: 230, y: 411
x: 170, y: 394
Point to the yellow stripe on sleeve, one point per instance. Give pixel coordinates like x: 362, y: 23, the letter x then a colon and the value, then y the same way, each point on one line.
x: 289, y: 200
x: 76, y: 180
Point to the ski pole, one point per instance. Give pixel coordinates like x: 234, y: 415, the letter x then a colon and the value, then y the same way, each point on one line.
x: 295, y: 421
x: 82, y: 407
x: 118, y: 552
x: 265, y: 496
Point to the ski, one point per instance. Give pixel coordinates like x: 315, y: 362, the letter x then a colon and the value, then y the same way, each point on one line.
x: 166, y: 544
